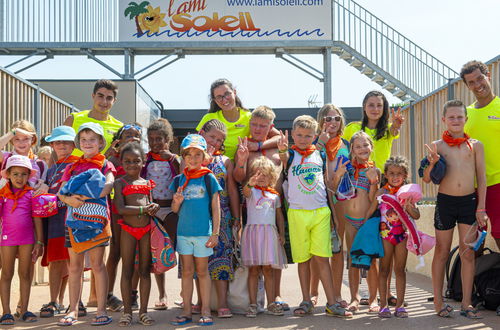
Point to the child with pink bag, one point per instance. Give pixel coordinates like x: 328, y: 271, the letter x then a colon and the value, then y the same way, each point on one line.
x: 394, y: 232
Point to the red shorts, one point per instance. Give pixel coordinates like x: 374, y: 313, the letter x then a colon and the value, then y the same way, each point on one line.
x: 493, y: 208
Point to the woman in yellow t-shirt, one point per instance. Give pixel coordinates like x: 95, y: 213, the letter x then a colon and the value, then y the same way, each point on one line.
x: 226, y: 106
x: 375, y: 122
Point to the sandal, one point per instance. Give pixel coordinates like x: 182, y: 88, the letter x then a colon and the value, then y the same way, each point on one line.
x: 135, y: 299
x: 337, y: 311
x: 305, y: 307
x: 364, y: 302
x: 401, y: 313
x: 275, y: 309
x: 205, y: 321
x: 113, y: 303
x: 251, y: 311
x: 284, y: 305
x: 101, y: 320
x: 353, y: 307
x: 471, y: 313
x: 385, y: 313
x: 50, y: 309
x: 66, y: 321
x: 125, y: 320
x: 375, y: 309
x: 146, y: 320
x: 17, y: 314
x: 343, y: 303
x: 196, y: 309
x: 181, y: 320
x: 446, y: 311
x: 161, y: 305
x: 29, y: 317
x: 7, y: 319
x: 224, y: 313
x: 314, y: 300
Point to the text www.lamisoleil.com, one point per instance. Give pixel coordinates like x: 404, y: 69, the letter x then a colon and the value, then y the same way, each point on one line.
x: 274, y: 3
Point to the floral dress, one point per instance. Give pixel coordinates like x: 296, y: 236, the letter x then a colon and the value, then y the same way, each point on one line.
x: 220, y: 264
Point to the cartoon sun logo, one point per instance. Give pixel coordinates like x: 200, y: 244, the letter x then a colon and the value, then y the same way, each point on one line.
x: 152, y: 20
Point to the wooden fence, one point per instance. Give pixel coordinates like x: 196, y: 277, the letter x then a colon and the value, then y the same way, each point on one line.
x: 423, y: 122
x: 20, y: 99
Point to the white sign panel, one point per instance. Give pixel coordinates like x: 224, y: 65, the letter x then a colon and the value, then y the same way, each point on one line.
x: 225, y: 20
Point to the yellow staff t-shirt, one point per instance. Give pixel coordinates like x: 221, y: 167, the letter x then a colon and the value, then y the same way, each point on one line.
x: 381, y: 147
x: 240, y: 128
x: 483, y: 124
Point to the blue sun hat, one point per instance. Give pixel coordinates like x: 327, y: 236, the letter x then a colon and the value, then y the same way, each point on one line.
x: 194, y: 141
x: 61, y: 133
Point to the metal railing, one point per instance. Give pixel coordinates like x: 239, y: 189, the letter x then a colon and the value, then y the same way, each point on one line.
x: 58, y: 20
x: 20, y: 99
x: 388, y: 49
x: 83, y: 21
x: 423, y: 122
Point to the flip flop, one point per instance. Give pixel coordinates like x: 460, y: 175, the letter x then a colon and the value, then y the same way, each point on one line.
x: 181, y: 320
x: 105, y: 320
x: 161, y: 305
x: 375, y: 309
x: 206, y: 321
x: 284, y: 305
x: 224, y: 313
x: 401, y: 313
x: 63, y: 322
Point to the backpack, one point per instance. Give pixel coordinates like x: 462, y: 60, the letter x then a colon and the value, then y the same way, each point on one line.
x: 487, y: 280
x: 291, y: 154
x: 486, y: 288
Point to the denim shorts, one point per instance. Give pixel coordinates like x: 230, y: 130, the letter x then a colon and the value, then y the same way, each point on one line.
x: 194, y: 245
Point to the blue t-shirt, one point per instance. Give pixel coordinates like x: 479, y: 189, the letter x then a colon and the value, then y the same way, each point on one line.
x: 195, y: 218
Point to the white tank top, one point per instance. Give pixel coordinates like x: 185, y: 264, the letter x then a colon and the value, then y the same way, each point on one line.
x: 306, y: 185
x: 261, y: 210
x: 161, y: 173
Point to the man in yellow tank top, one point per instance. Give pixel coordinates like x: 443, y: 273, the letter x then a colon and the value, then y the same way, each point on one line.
x: 104, y: 97
x: 483, y: 124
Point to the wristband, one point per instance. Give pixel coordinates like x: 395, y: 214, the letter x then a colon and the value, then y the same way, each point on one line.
x: 259, y: 145
x: 481, y: 211
x: 140, y: 210
x: 282, y: 151
x: 215, y: 234
x: 41, y: 243
x: 242, y: 166
x: 13, y: 131
x: 249, y: 185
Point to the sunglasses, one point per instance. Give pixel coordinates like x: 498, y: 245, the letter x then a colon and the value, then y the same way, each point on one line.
x: 330, y: 118
x: 136, y: 127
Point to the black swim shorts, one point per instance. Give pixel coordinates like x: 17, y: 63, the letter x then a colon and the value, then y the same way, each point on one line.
x: 451, y: 210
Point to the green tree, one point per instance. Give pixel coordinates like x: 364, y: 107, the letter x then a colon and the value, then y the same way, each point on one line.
x: 134, y: 10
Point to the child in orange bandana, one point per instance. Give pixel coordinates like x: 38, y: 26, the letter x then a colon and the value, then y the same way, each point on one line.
x: 197, y: 202
x: 458, y: 202
x: 22, y: 234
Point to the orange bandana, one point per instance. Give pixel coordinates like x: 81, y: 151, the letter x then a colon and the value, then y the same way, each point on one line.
x: 304, y: 153
x: 452, y: 142
x: 332, y: 147
x: 69, y: 159
x: 359, y: 167
x: 97, y: 160
x: 269, y: 189
x: 392, y: 190
x: 194, y: 174
x: 6, y: 192
x: 158, y: 157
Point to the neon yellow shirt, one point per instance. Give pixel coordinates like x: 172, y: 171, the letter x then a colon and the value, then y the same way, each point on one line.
x: 381, y: 147
x: 483, y: 124
x: 110, y: 127
x: 240, y: 128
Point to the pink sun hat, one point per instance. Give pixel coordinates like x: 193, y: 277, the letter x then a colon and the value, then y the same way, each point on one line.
x: 20, y: 161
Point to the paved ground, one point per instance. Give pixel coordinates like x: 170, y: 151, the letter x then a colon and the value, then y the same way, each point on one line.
x: 418, y: 290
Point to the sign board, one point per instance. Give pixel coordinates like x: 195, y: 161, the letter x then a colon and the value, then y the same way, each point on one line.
x: 225, y: 20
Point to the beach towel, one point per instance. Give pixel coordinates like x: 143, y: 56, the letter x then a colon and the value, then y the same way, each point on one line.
x: 367, y: 244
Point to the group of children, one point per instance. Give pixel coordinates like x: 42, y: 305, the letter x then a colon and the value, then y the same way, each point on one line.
x: 301, y: 199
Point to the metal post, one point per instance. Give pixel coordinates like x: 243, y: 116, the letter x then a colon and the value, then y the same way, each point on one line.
x: 451, y: 90
x: 413, y: 156
x: 2, y: 19
x: 37, y: 111
x: 126, y: 70
x: 327, y: 75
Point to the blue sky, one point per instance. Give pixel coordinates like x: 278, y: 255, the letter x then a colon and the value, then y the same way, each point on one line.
x: 453, y: 31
